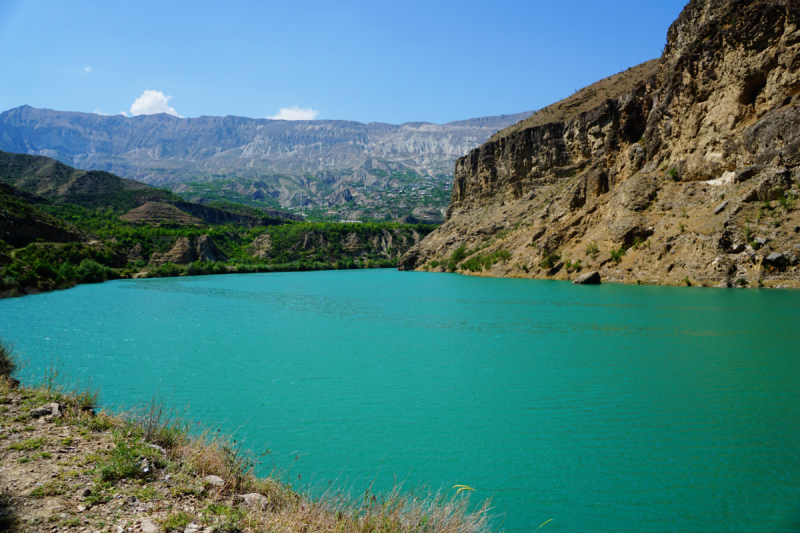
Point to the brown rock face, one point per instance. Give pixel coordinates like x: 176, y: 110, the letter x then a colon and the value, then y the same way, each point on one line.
x: 185, y: 251
x: 158, y: 213
x: 630, y: 188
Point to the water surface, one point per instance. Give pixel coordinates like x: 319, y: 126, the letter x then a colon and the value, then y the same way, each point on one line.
x: 610, y: 408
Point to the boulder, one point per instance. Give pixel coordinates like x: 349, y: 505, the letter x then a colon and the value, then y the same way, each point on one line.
x: 721, y: 207
x: 590, y: 278
x: 147, y: 526
x: 214, y: 481
x: 253, y: 500
x: 774, y: 260
x: 51, y: 409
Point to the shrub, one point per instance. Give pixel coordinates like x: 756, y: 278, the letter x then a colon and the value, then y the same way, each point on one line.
x: 617, y: 254
x: 66, y: 272
x: 592, y: 250
x: 45, y: 270
x: 787, y: 201
x: 90, y: 271
x: 176, y: 521
x: 480, y: 262
x: 8, y: 361
x: 673, y: 174
x: 550, y: 259
x: 570, y: 265
x: 167, y: 270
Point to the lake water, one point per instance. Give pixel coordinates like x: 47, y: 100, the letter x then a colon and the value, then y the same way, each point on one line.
x: 611, y: 408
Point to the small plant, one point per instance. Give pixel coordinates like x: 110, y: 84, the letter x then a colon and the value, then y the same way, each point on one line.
x: 592, y: 250
x: 682, y: 227
x: 8, y: 361
x: 673, y: 174
x: 176, y: 521
x: 686, y: 281
x: 741, y: 282
x: 570, y: 265
x: 787, y: 201
x: 683, y: 213
x: 28, y: 445
x: 549, y: 260
x: 51, y: 488
x: 748, y: 234
x: 617, y: 255
x: 637, y: 242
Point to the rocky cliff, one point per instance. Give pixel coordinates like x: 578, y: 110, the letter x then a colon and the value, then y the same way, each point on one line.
x: 691, y: 177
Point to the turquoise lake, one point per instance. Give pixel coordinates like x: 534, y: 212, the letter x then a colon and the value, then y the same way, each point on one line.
x: 606, y: 409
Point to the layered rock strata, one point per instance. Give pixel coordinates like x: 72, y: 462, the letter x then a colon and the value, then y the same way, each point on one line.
x: 690, y: 178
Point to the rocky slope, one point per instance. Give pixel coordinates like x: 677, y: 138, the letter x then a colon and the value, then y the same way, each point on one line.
x: 161, y: 148
x: 689, y: 178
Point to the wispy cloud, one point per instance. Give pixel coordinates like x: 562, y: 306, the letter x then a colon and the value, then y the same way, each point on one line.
x: 295, y: 113
x: 152, y: 102
x: 87, y: 70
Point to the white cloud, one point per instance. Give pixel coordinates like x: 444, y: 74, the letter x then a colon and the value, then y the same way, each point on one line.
x: 295, y: 113
x: 98, y: 112
x: 152, y: 102
x: 87, y: 69
x: 123, y: 113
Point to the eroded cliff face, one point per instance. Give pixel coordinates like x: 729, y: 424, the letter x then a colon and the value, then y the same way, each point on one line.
x: 689, y: 178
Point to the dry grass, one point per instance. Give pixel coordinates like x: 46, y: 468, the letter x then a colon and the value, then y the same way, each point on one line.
x: 160, y: 436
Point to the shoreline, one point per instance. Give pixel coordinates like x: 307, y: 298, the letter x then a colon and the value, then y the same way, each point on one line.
x: 67, y: 467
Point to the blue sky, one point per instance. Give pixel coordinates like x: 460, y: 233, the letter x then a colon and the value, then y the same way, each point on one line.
x: 368, y: 61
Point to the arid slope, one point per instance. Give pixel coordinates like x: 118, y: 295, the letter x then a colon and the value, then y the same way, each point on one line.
x: 691, y: 177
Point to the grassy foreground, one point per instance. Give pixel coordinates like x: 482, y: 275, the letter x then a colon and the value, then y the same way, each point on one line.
x: 81, y: 470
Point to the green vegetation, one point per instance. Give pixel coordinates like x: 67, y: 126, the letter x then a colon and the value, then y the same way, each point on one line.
x: 480, y: 262
x: 573, y: 265
x: 28, y: 445
x: 617, y: 254
x: 592, y: 250
x: 298, y: 246
x: 549, y: 259
x: 8, y: 362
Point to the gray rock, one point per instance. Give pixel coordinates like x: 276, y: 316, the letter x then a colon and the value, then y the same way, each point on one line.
x: 774, y: 259
x: 590, y: 278
x: 721, y: 207
x: 50, y: 409
x: 147, y: 526
x: 157, y: 447
x: 253, y: 500
x: 193, y: 528
x: 215, y: 481
x: 761, y: 240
